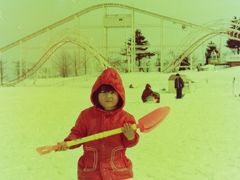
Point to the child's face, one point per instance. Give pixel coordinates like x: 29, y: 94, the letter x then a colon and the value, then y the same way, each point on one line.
x: 108, y: 100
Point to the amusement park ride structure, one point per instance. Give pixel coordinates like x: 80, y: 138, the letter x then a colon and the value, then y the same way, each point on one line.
x: 192, y: 42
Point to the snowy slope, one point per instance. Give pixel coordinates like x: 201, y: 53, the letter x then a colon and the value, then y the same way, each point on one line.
x: 198, y: 140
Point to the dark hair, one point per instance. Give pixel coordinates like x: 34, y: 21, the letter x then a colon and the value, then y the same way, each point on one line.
x: 148, y: 86
x: 105, y: 88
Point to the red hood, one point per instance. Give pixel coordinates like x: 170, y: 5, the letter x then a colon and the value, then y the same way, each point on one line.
x: 110, y: 77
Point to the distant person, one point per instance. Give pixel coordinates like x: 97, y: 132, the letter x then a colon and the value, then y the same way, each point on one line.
x: 149, y: 95
x: 131, y: 86
x: 179, y: 85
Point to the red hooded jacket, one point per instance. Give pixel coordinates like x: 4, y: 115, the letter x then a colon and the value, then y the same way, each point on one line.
x: 104, y: 159
x: 147, y: 92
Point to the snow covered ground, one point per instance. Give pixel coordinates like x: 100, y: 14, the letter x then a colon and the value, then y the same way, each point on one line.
x: 199, y: 140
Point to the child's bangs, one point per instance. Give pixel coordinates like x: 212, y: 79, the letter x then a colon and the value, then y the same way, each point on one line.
x: 106, y: 88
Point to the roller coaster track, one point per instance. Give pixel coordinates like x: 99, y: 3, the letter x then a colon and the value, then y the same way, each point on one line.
x: 232, y: 33
x: 52, y: 50
x: 95, y: 7
x: 189, y: 51
x: 192, y: 48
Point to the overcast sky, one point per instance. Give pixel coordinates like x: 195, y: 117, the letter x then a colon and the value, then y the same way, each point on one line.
x: 22, y: 17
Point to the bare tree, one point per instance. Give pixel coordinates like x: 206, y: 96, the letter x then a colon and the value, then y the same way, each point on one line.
x: 75, y: 64
x: 63, y: 64
x: 21, y: 68
x: 78, y: 61
x: 81, y: 61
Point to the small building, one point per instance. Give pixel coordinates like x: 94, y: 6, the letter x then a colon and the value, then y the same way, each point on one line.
x: 233, y: 60
x: 171, y: 83
x: 214, y: 58
x: 233, y: 63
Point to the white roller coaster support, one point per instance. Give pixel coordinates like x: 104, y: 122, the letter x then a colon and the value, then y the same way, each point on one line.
x: 196, y: 44
x: 188, y: 51
x: 106, y: 37
x: 105, y: 5
x: 95, y: 7
x: 50, y: 52
x: 1, y: 70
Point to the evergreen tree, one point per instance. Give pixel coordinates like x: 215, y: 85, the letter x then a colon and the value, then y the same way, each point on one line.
x: 233, y: 43
x: 141, y: 46
x: 210, y: 49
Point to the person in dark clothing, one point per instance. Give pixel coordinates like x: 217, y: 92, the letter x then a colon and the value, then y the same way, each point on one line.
x: 179, y: 84
x: 149, y: 95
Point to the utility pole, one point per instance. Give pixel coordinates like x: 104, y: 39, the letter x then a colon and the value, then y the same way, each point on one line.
x: 161, y: 45
x: 133, y: 43
x: 1, y: 73
x: 106, y: 38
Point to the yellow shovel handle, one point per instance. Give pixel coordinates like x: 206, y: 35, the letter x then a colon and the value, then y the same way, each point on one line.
x: 47, y: 149
x: 97, y: 136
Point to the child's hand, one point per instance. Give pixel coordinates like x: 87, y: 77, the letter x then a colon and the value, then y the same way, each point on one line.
x: 61, y: 146
x: 128, y: 131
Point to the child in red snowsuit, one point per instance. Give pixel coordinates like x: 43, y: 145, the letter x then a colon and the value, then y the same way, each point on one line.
x: 148, y: 94
x: 105, y: 159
